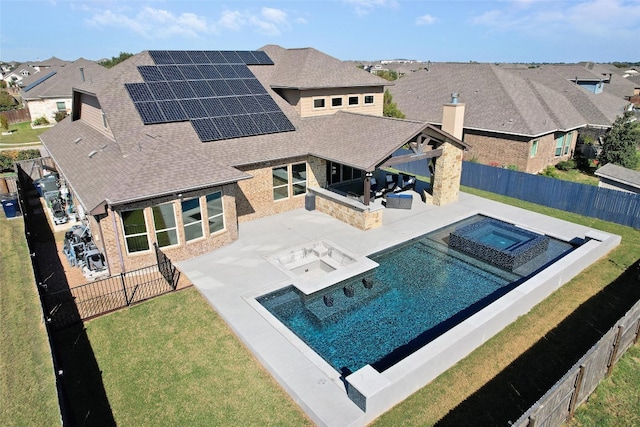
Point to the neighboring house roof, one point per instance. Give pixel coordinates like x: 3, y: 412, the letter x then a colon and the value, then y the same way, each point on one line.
x: 143, y: 161
x: 308, y: 68
x: 504, y: 99
x: 622, y: 175
x: 51, y: 62
x: 58, y: 82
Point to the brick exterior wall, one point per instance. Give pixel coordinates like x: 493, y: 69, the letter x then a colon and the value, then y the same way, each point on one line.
x: 497, y: 150
x: 108, y: 232
x: 254, y: 198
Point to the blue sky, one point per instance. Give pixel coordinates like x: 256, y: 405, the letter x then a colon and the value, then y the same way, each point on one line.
x: 453, y: 30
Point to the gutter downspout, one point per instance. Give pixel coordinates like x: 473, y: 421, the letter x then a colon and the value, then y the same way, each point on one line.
x: 115, y: 230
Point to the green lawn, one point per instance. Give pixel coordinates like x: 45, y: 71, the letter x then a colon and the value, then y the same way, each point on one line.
x: 27, y: 384
x: 22, y: 134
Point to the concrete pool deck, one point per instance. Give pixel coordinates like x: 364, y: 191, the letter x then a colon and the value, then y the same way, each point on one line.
x: 231, y: 277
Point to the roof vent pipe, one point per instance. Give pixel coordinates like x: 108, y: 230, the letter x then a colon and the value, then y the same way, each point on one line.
x: 454, y: 98
x: 82, y: 73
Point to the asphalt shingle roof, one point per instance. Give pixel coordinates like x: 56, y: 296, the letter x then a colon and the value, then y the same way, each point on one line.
x: 62, y: 83
x: 620, y: 174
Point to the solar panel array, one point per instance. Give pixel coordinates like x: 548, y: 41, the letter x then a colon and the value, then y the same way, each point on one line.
x: 214, y: 90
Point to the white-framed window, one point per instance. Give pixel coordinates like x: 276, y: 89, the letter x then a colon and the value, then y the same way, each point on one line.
x: 319, y: 103
x: 280, y: 180
x: 299, y: 178
x: 567, y: 143
x: 135, y: 230
x: 559, y: 145
x: 192, y: 219
x: 534, y: 148
x: 61, y: 106
x: 336, y: 102
x: 368, y: 99
x: 164, y: 220
x: 354, y: 100
x: 215, y: 212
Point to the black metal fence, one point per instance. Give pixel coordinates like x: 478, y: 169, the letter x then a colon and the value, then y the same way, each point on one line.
x: 69, y: 306
x: 596, y: 202
x: 560, y: 402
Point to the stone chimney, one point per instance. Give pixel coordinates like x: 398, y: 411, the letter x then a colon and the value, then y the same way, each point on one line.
x: 453, y: 117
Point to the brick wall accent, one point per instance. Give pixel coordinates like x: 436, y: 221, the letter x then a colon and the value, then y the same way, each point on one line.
x: 342, y: 209
x: 446, y: 180
x: 108, y: 230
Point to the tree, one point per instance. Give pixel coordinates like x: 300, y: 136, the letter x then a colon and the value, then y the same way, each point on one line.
x: 389, y: 108
x: 619, y: 144
x: 108, y: 63
x: 7, y: 102
x: 387, y: 75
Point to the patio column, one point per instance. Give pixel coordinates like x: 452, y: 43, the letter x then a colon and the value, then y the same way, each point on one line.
x: 367, y: 187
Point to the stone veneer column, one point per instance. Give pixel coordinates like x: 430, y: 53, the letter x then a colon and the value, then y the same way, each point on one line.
x: 448, y: 170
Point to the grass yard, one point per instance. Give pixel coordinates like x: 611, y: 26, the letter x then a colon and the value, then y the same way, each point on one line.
x: 22, y: 134
x: 27, y: 385
x: 173, y: 361
x: 473, y: 386
x: 575, y: 175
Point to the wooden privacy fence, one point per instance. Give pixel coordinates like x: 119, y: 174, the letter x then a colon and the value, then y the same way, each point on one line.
x: 560, y: 402
x: 17, y: 116
x: 596, y: 202
x: 69, y: 306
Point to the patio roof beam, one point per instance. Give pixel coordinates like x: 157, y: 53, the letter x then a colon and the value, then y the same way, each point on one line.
x: 412, y: 157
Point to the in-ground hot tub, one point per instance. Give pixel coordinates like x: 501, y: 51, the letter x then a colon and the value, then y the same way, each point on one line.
x: 501, y: 244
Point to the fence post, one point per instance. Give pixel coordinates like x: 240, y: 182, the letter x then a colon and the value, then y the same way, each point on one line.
x: 124, y: 288
x: 614, y: 353
x: 576, y: 391
x: 533, y: 418
x: 635, y: 339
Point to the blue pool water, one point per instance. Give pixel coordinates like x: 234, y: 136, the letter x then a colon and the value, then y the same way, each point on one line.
x: 421, y: 289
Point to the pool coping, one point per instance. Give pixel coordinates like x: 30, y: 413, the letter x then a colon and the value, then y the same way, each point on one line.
x: 231, y: 277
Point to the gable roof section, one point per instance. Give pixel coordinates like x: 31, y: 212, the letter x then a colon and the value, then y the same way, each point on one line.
x: 58, y: 82
x: 307, y: 68
x: 619, y: 174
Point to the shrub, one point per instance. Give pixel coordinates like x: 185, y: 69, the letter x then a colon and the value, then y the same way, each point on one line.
x: 41, y: 121
x: 8, y: 157
x: 4, y: 123
x: 549, y: 171
x: 512, y: 167
x: 566, y: 165
x: 60, y: 115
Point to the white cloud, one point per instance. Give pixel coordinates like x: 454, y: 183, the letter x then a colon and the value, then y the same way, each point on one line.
x: 426, y: 20
x: 154, y: 23
x: 364, y: 7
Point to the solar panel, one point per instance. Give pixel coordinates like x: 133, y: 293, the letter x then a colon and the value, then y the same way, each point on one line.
x: 238, y: 87
x: 172, y: 111
x: 231, y: 56
x: 150, y: 113
x: 198, y: 56
x: 215, y: 57
x: 193, y: 108
x: 206, y: 130
x: 232, y: 105
x: 242, y: 71
x: 150, y: 73
x: 262, y: 57
x: 250, y: 104
x: 138, y: 92
x: 215, y: 90
x: 201, y: 88
x: 267, y: 103
x: 220, y: 87
x: 182, y: 90
x: 226, y: 71
x: 171, y: 73
x: 264, y: 123
x: 213, y: 107
x: 190, y: 72
x: 281, y: 121
x: 160, y: 57
x: 246, y: 125
x: 247, y: 57
x: 209, y: 71
x: 161, y: 91
x: 180, y: 57
x: 227, y: 128
x: 254, y: 86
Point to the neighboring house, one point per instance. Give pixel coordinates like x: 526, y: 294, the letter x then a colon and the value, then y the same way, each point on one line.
x: 26, y: 73
x: 51, y: 91
x: 516, y: 116
x: 618, y: 178
x: 176, y: 148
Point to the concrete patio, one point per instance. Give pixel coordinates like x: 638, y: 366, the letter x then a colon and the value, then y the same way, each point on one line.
x: 232, y: 277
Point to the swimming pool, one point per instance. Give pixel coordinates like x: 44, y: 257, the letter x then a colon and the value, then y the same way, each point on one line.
x: 421, y: 289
